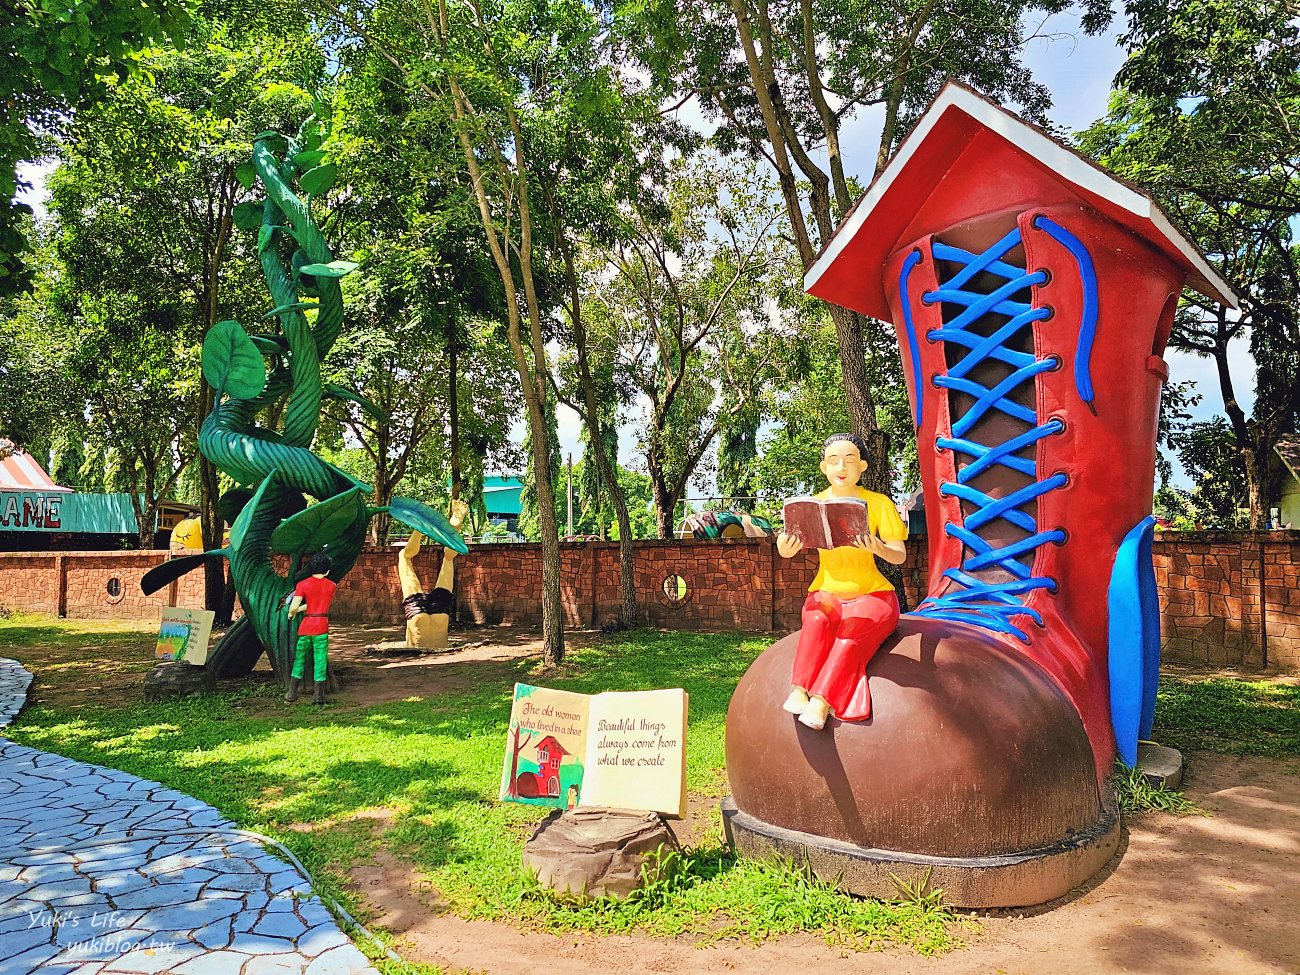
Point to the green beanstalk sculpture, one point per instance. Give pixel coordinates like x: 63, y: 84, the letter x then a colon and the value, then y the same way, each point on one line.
x: 275, y: 470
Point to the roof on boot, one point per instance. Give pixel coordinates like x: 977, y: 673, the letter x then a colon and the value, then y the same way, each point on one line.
x: 969, y: 156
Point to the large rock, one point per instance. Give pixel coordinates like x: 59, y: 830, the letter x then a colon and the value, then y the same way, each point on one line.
x: 176, y: 678
x: 593, y: 852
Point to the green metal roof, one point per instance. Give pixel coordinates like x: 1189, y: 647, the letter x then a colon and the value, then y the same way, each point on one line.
x: 501, y: 495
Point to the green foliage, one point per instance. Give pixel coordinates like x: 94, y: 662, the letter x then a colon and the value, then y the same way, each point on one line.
x: 231, y: 362
x: 59, y: 58
x: 685, y: 302
x: 1135, y: 794
x: 806, y: 409
x: 1206, y: 115
x: 1209, y: 454
x: 738, y: 457
x: 239, y: 527
x: 138, y: 256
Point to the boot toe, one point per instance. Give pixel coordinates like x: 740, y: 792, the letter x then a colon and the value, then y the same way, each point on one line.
x: 972, y: 754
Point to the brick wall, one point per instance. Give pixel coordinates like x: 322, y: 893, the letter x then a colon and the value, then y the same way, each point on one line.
x: 1230, y: 598
x: 90, y: 585
x: 1225, y: 598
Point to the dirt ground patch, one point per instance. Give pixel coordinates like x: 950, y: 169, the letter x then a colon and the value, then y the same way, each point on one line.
x: 1216, y: 895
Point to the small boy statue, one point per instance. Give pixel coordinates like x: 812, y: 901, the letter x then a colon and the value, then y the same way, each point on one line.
x: 312, y: 598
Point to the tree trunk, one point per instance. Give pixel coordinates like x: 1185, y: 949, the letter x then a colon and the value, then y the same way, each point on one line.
x: 1256, y: 462
x: 531, y: 376
x: 607, y: 465
x: 453, y: 404
x: 1253, y: 459
x: 226, y: 608
x: 861, y: 407
x: 385, y: 486
x: 211, y: 523
x: 148, y: 520
x: 665, y: 502
x: 552, y: 609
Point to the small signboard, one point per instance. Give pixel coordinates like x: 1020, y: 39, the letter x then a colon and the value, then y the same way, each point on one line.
x: 625, y: 750
x: 183, y: 635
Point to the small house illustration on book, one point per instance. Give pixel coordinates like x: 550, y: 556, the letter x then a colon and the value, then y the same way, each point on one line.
x: 546, y: 780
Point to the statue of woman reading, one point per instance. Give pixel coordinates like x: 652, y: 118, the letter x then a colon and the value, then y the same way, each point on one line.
x: 851, y: 608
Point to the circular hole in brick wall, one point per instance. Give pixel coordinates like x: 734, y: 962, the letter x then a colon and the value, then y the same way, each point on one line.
x: 114, y: 589
x: 674, y: 590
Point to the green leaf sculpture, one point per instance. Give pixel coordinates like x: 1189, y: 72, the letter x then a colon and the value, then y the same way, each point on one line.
x: 313, y: 528
x: 308, y: 159
x: 231, y: 362
x: 432, y: 524
x: 269, y: 345
x: 274, y: 141
x: 292, y: 306
x: 342, y: 392
x: 260, y: 432
x: 334, y: 269
x: 317, y: 181
x: 246, y: 174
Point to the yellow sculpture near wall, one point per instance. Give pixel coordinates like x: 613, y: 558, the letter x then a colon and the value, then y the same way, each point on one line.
x: 428, y: 612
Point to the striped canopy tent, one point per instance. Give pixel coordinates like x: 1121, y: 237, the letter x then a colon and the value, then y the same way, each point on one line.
x: 19, y: 471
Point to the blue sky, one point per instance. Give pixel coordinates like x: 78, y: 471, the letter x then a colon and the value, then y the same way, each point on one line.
x: 1078, y: 71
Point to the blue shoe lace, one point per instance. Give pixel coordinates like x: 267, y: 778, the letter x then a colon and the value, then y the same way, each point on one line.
x: 996, y: 605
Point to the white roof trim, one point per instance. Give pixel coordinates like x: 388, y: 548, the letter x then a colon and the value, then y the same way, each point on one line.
x: 1023, y: 136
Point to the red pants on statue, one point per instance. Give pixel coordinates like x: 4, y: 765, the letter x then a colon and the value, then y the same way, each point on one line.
x: 839, y: 637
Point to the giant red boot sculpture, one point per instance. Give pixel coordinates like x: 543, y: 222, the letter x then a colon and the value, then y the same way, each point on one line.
x: 1033, y: 296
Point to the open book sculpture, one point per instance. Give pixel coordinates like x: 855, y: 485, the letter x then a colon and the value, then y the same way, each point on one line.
x: 1032, y: 296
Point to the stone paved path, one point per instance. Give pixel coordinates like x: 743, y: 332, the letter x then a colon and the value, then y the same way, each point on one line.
x: 103, y: 872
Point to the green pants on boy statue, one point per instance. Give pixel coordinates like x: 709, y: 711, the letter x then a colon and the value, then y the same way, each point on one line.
x: 318, y: 645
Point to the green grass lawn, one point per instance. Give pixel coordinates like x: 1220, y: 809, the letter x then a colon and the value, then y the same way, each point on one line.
x: 419, y: 777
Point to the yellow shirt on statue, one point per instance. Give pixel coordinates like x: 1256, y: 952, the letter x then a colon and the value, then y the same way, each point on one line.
x: 849, y: 571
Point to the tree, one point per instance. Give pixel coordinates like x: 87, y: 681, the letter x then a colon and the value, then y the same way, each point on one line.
x: 595, y: 513
x: 685, y: 305
x: 1206, y: 117
x: 117, y: 385
x: 591, y: 388
x: 523, y: 87
x: 164, y: 153
x: 781, y: 78
x: 540, y: 482
x: 35, y: 404
x: 738, y: 457
x: 429, y: 346
x: 1211, y: 459
x: 59, y: 59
